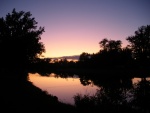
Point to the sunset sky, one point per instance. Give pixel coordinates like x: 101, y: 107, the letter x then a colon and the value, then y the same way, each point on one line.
x: 76, y: 26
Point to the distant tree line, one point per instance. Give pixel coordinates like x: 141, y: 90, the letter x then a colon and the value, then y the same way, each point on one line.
x: 20, y: 46
x: 112, y: 53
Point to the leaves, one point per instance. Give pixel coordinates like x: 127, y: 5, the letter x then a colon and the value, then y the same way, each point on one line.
x: 20, y: 38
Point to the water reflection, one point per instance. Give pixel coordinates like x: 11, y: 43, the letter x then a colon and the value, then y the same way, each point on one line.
x: 118, y: 95
x: 63, y: 87
x: 136, y: 80
x: 104, y: 93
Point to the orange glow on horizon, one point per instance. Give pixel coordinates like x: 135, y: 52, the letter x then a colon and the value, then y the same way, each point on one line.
x: 76, y: 26
x: 73, y: 47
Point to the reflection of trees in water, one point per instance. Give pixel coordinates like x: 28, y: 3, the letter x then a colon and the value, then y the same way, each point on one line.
x: 141, y: 92
x: 112, y: 95
x: 85, y: 82
x: 117, y: 95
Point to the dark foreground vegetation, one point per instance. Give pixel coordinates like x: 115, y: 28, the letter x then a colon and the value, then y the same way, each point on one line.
x: 18, y: 95
x: 117, y: 94
x: 112, y: 68
x: 117, y: 99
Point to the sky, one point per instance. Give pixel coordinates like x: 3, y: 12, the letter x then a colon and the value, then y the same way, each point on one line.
x: 76, y: 26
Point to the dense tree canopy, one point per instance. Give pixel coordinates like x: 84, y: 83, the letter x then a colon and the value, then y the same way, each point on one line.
x: 20, y: 39
x: 140, y: 43
x: 110, y: 45
x: 84, y: 57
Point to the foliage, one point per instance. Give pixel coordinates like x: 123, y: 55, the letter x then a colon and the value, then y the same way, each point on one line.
x: 110, y: 45
x: 117, y: 99
x: 111, y: 54
x: 84, y: 57
x: 140, y: 43
x: 141, y: 92
x: 20, y: 39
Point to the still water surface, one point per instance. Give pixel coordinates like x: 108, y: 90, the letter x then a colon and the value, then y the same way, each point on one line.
x: 63, y: 88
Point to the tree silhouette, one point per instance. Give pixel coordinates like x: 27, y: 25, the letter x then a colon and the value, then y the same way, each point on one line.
x: 140, y: 43
x: 84, y: 57
x: 110, y: 45
x: 110, y: 52
x: 20, y: 39
x: 141, y: 92
x: 114, y: 45
x: 103, y: 43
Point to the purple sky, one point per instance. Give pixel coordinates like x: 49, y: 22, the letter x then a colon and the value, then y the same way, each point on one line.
x: 76, y: 26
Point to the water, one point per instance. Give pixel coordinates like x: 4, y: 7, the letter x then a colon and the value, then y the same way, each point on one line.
x: 66, y: 87
x: 63, y: 88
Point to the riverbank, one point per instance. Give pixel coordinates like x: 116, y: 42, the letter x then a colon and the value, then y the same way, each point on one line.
x: 21, y: 96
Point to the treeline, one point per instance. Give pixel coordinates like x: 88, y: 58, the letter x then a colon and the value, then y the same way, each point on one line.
x: 21, y: 47
x: 112, y: 54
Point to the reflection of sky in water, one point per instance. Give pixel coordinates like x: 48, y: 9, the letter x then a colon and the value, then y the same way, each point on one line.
x: 63, y: 88
x: 136, y: 80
